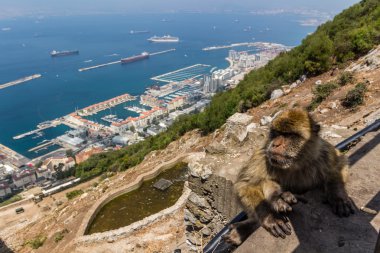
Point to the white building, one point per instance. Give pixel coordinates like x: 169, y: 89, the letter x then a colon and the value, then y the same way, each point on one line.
x: 53, y: 162
x: 5, y: 190
x: 24, y: 177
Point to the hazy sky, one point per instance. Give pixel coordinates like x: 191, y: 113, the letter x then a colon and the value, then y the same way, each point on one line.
x: 11, y: 8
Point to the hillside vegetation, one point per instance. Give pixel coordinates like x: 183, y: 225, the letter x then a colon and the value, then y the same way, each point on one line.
x: 348, y: 36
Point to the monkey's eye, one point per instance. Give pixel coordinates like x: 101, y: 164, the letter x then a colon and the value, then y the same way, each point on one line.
x: 274, y: 134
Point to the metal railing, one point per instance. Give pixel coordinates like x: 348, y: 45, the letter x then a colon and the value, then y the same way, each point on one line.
x: 217, y: 244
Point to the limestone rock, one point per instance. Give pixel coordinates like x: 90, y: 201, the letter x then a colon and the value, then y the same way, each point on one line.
x: 189, y: 217
x: 198, y: 169
x: 266, y: 120
x: 206, y: 231
x: 293, y: 85
x: 323, y: 111
x: 199, y: 201
x: 236, y: 127
x: 318, y: 82
x: 332, y: 105
x: 251, y: 127
x: 276, y: 94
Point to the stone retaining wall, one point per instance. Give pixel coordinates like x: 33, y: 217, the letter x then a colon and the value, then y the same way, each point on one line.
x: 128, y: 188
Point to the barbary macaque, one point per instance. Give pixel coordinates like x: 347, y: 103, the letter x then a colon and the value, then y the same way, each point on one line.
x: 294, y: 160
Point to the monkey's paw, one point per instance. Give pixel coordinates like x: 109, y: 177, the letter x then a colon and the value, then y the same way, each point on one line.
x: 342, y: 206
x: 279, y: 205
x: 233, y: 237
x: 277, y: 225
x: 289, y: 198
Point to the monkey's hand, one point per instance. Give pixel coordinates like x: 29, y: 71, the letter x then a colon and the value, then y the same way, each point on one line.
x: 277, y: 225
x: 282, y: 203
x: 341, y: 204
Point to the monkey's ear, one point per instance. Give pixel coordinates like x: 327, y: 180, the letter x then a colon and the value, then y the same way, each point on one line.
x: 316, y: 128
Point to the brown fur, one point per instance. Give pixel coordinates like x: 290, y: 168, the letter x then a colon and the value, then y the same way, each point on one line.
x: 294, y: 160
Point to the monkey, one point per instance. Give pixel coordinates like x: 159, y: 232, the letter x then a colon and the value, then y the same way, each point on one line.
x: 293, y: 160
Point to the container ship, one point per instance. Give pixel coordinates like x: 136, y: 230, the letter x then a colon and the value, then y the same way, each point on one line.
x: 55, y: 53
x: 142, y: 56
x: 166, y: 38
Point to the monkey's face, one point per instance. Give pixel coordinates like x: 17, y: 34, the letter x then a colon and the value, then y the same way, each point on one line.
x: 289, y: 134
x: 284, y: 148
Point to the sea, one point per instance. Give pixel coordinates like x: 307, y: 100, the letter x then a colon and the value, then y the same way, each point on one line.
x: 25, y: 46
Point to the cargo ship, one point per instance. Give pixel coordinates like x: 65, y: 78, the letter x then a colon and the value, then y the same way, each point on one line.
x: 55, y: 53
x: 142, y: 56
x: 166, y: 38
x: 137, y: 32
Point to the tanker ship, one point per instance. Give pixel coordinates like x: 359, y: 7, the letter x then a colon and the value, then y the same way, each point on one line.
x: 142, y: 56
x: 55, y: 53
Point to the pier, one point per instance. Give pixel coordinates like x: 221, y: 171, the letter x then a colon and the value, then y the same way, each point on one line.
x: 39, y: 129
x: 117, y: 62
x: 227, y: 46
x: 21, y: 80
x: 42, y: 146
x: 95, y: 108
x: 162, y: 52
x: 12, y: 156
x: 179, y: 75
x: 99, y: 66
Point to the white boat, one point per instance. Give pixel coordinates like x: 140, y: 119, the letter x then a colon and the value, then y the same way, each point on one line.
x: 166, y: 38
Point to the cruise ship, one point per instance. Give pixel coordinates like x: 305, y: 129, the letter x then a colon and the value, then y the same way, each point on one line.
x: 166, y: 38
x: 55, y: 53
x: 142, y: 56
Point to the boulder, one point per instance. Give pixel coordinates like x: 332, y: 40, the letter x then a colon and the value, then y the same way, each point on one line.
x: 276, y: 94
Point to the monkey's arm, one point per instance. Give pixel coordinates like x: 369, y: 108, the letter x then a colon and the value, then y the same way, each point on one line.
x: 335, y: 190
x: 278, y: 200
x: 253, y: 199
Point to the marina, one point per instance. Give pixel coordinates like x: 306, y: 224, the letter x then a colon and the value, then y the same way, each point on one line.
x: 179, y: 75
x: 19, y: 81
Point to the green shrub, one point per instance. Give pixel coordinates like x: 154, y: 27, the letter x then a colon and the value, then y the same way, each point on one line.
x: 60, y: 235
x: 11, y: 200
x: 36, y: 242
x: 73, y: 194
x: 345, y: 78
x: 355, y: 96
x: 321, y: 92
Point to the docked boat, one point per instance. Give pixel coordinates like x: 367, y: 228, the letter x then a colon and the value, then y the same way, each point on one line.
x: 142, y: 56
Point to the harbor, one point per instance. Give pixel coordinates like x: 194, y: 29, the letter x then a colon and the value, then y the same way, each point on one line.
x: 19, y: 81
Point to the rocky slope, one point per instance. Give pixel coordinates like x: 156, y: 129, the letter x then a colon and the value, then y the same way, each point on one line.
x: 214, y: 162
